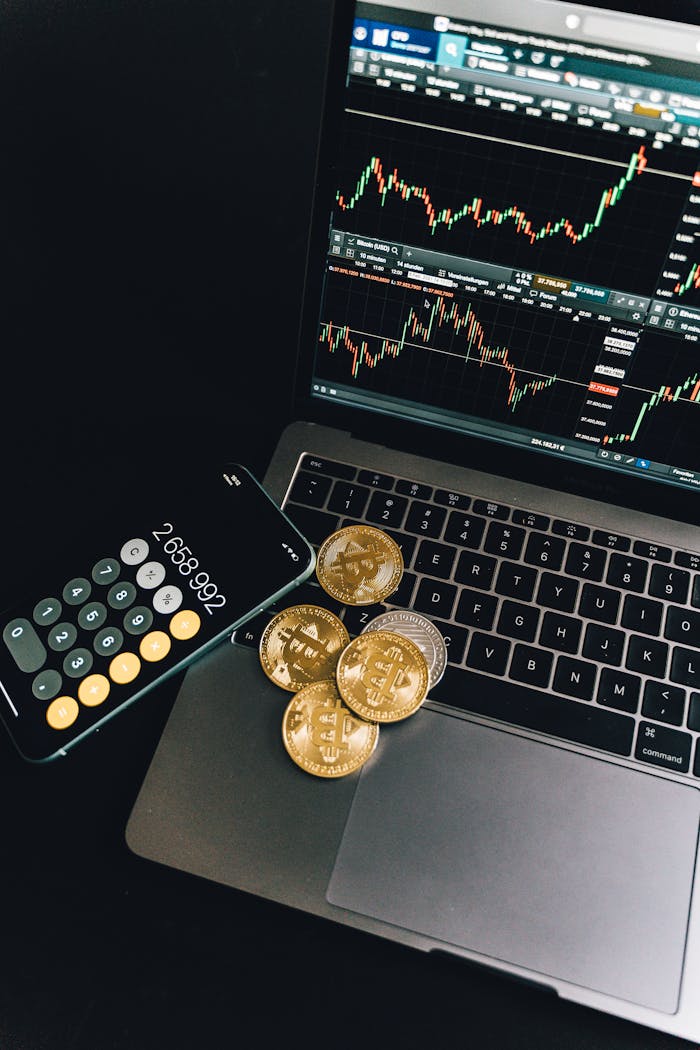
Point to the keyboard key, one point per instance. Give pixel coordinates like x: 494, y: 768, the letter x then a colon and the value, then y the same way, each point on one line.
x: 570, y: 529
x: 545, y: 550
x: 685, y: 666
x: 647, y: 655
x: 402, y: 597
x: 435, y: 559
x: 487, y: 653
x: 310, y: 489
x: 348, y: 498
x: 414, y: 489
x: 531, y: 666
x: 425, y: 519
x: 452, y: 499
x: 376, y: 480
x: 668, y: 748
x: 24, y: 644
x: 652, y: 551
x: 642, y: 614
x: 574, y: 678
x: 696, y: 592
x: 664, y: 702
x: 476, y: 609
x: 357, y: 617
x: 687, y: 560
x: 491, y: 510
x: 669, y: 583
x: 386, y: 511
x: 612, y: 540
x: 536, y: 710
x: 530, y: 519
x: 475, y: 569
x: 455, y: 640
x: 252, y: 631
x: 506, y: 541
x: 516, y: 581
x: 694, y: 712
x: 518, y: 621
x: 604, y: 644
x: 327, y: 466
x: 465, y: 530
x: 618, y: 689
x: 683, y: 625
x: 435, y: 598
x: 626, y: 572
x: 560, y: 632
x: 599, y: 603
x: 557, y: 592
x: 585, y: 561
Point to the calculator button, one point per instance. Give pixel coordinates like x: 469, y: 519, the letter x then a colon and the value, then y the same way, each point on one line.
x: 77, y: 591
x: 138, y: 620
x: 108, y: 641
x: 106, y: 571
x: 92, y: 616
x: 124, y: 668
x: 62, y: 712
x: 77, y: 663
x: 134, y: 552
x: 121, y: 595
x: 46, y: 685
x: 62, y: 636
x: 167, y: 599
x: 185, y: 624
x: 47, y: 611
x: 155, y: 646
x: 93, y: 690
x: 25, y: 645
x: 150, y: 575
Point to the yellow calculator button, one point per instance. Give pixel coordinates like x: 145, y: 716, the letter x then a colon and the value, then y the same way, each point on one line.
x: 124, y: 668
x: 62, y: 712
x: 185, y: 624
x: 155, y: 646
x: 93, y: 690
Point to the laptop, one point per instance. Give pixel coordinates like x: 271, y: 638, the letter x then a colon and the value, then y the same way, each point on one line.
x: 498, y: 365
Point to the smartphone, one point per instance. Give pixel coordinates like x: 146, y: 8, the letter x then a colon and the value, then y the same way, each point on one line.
x: 143, y: 597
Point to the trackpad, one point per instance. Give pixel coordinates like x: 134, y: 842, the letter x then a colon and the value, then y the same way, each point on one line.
x: 524, y: 852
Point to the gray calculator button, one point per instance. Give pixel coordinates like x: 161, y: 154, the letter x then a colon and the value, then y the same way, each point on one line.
x: 109, y: 640
x: 167, y: 599
x: 121, y: 595
x: 92, y: 616
x: 25, y: 645
x: 134, y: 552
x: 76, y: 591
x: 62, y: 636
x: 150, y: 575
x: 46, y: 685
x: 47, y: 611
x: 138, y: 620
x: 106, y: 571
x: 77, y: 663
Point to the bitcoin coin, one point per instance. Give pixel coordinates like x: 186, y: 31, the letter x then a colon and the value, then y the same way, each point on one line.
x: 421, y: 631
x: 359, y: 565
x: 322, y: 735
x: 382, y: 676
x: 301, y: 644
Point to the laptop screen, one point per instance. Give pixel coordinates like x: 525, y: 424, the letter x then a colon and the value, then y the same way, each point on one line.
x: 514, y: 232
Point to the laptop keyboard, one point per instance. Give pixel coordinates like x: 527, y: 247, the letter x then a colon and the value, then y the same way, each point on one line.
x: 596, y: 634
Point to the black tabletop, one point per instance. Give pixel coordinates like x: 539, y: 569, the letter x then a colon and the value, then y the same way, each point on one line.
x: 153, y: 157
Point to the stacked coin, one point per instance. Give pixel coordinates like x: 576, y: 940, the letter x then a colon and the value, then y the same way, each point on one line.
x: 344, y: 689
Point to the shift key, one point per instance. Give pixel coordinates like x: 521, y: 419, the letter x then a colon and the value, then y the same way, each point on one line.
x: 668, y: 748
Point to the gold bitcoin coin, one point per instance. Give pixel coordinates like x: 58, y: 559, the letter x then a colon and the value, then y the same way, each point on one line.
x: 382, y: 676
x: 301, y: 645
x: 359, y: 565
x: 322, y: 735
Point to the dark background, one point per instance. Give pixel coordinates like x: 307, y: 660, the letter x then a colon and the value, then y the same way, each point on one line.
x: 153, y: 156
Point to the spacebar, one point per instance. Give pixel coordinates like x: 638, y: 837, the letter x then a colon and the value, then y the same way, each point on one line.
x: 533, y: 709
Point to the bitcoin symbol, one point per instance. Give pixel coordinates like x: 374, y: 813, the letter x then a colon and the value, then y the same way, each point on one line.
x: 329, y: 731
x: 358, y: 564
x: 303, y: 649
x: 383, y: 676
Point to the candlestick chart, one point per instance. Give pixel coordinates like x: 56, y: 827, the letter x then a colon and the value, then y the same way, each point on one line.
x: 475, y: 357
x: 513, y: 205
